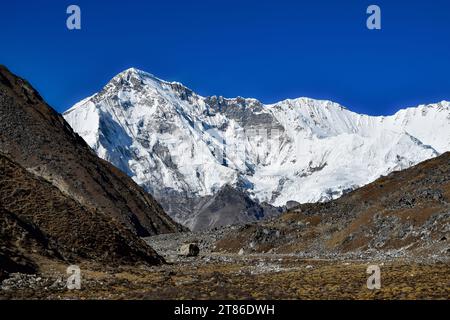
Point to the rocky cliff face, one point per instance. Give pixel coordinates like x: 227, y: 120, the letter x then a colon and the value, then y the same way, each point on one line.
x: 227, y: 207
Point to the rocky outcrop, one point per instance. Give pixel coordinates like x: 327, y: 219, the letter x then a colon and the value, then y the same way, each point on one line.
x: 230, y: 206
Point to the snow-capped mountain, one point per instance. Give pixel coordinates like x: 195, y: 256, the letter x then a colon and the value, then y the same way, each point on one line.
x: 185, y: 148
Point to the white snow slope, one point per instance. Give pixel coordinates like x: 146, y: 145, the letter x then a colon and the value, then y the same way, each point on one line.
x: 166, y: 137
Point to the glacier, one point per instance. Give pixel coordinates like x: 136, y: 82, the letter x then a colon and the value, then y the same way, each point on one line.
x: 185, y: 148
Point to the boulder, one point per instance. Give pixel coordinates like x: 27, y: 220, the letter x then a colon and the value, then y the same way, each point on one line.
x: 189, y: 250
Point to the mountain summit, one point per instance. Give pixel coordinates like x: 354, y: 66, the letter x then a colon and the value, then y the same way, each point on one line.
x: 185, y: 148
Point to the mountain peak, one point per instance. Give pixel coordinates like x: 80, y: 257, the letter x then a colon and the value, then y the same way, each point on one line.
x: 311, y: 103
x: 443, y: 104
x: 134, y: 73
x: 176, y: 143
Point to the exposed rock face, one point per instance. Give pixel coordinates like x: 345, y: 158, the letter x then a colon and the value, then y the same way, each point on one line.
x: 39, y: 139
x: 229, y: 206
x: 291, y: 205
x: 184, y: 148
x: 404, y: 213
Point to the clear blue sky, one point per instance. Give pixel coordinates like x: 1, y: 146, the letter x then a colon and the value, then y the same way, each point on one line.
x: 270, y: 50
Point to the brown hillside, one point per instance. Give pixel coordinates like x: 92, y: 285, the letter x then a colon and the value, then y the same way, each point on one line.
x: 37, y: 219
x: 405, y: 212
x: 40, y: 140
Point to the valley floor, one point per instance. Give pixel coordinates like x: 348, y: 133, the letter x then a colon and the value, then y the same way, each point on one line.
x: 230, y: 276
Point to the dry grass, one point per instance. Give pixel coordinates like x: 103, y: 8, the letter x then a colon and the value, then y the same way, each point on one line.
x: 243, y: 280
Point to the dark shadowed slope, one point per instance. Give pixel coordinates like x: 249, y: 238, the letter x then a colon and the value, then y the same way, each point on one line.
x: 38, y: 139
x: 36, y: 219
x: 230, y: 206
x: 406, y: 212
x: 12, y: 259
